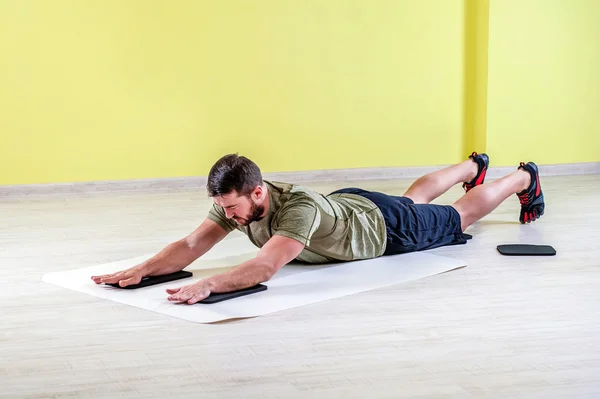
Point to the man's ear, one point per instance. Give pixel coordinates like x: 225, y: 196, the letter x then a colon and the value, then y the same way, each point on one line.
x: 258, y: 193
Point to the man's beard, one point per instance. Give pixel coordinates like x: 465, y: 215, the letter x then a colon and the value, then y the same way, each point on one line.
x: 255, y: 216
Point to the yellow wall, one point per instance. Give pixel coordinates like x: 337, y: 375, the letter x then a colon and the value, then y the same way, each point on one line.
x: 543, y: 82
x: 94, y: 90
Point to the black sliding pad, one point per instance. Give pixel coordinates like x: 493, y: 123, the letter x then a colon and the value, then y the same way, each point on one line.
x: 526, y: 250
x: 218, y: 297
x: 153, y: 280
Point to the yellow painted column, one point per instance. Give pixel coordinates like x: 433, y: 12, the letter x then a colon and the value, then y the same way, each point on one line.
x: 476, y: 75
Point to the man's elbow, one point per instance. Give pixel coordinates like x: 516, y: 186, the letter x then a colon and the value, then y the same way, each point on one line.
x: 268, y: 270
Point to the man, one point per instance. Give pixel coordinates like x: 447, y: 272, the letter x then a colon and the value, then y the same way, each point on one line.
x: 289, y: 222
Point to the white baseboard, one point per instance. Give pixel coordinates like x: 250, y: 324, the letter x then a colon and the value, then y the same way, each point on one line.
x: 333, y: 175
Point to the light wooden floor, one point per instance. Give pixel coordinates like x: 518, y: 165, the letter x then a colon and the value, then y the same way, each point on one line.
x: 502, y: 327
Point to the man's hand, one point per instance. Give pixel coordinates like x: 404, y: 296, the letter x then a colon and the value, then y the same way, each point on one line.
x: 124, y: 278
x: 190, y: 293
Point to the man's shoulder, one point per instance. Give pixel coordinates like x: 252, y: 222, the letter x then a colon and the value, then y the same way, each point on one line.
x: 290, y: 193
x: 296, y: 199
x: 284, y: 188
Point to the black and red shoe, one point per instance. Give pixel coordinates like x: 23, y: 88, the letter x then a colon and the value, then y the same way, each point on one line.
x: 483, y: 162
x: 532, y: 198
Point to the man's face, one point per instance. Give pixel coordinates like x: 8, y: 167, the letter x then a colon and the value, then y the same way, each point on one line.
x: 241, y: 208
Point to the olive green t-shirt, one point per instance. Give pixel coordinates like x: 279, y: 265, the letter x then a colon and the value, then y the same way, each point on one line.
x: 338, y: 227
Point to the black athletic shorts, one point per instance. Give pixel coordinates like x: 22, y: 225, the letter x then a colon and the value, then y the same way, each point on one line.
x: 414, y: 227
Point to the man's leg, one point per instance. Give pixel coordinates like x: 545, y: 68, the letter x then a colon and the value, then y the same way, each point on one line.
x: 482, y: 200
x: 430, y: 186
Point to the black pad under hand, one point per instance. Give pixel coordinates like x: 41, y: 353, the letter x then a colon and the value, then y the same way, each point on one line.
x: 153, y: 280
x: 223, y: 296
x: 526, y: 250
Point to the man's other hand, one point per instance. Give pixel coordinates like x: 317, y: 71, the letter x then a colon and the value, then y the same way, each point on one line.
x: 189, y: 293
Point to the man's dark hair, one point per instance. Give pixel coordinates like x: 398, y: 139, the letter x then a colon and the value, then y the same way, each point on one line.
x: 233, y: 173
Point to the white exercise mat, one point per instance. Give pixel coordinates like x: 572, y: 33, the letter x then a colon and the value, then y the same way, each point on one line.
x: 294, y: 285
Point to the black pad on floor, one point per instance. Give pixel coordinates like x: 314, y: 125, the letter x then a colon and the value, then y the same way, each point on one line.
x: 526, y: 250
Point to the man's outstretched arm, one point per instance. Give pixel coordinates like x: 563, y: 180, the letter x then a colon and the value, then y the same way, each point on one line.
x: 275, y: 254
x: 173, y: 258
